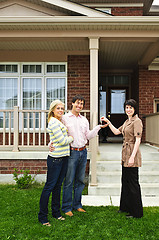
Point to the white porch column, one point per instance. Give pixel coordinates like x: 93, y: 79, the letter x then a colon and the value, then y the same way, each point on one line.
x: 93, y: 46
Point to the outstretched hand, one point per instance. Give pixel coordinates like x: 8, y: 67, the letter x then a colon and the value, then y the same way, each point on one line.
x: 104, y: 119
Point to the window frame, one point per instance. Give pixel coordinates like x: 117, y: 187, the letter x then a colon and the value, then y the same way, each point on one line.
x: 7, y: 74
x: 43, y: 75
x: 156, y: 101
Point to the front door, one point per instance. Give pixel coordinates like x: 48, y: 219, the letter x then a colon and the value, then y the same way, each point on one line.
x: 116, y: 99
x: 113, y: 91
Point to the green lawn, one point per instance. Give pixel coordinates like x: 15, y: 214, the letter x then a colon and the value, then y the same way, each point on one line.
x: 18, y: 220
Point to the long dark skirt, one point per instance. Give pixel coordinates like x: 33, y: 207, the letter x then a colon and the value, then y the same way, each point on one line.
x: 130, y: 200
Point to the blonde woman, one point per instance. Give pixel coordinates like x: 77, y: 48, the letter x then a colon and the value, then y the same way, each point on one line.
x: 56, y: 163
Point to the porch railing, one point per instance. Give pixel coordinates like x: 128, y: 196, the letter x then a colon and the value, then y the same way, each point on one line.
x: 152, y: 128
x: 25, y: 130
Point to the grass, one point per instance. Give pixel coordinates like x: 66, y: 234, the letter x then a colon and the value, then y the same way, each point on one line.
x: 19, y: 210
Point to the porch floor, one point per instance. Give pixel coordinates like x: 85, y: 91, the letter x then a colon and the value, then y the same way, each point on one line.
x: 117, y: 147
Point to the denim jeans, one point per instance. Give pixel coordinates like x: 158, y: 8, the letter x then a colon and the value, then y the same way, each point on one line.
x: 75, y: 174
x: 56, y: 172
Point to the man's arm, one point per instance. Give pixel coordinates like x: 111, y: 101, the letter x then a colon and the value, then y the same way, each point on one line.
x: 92, y: 133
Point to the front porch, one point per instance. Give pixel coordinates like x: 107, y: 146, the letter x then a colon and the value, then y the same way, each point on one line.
x: 25, y: 146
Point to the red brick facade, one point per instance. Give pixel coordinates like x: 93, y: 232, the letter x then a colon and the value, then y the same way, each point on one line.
x: 148, y: 90
x: 40, y: 166
x: 7, y: 166
x: 78, y: 79
x: 127, y: 11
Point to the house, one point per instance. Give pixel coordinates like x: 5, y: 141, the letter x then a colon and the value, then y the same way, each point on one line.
x: 106, y: 50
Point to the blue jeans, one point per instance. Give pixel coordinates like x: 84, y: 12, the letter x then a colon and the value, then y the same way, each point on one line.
x: 75, y: 174
x: 56, y: 173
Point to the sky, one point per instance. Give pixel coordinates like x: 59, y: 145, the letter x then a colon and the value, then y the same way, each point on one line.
x: 155, y: 2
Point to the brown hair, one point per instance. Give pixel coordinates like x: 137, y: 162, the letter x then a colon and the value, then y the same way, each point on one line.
x: 132, y: 103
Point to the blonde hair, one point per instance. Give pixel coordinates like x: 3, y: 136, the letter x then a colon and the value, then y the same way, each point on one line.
x: 52, y: 106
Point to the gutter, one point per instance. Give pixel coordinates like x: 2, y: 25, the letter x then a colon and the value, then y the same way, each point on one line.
x: 149, y: 20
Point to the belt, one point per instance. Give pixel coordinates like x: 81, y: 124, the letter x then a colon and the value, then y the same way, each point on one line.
x: 78, y: 149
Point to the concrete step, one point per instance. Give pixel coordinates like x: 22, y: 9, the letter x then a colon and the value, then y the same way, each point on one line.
x: 115, y: 177
x: 108, y: 166
x: 114, y: 189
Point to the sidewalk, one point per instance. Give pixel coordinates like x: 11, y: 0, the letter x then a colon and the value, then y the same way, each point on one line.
x: 88, y: 200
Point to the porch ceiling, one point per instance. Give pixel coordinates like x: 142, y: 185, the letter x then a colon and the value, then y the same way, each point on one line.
x: 113, y: 54
x: 124, y: 42
x: 121, y: 55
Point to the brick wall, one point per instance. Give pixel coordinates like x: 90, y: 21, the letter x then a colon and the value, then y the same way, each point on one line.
x: 127, y: 11
x: 148, y: 90
x: 78, y: 79
x: 7, y: 166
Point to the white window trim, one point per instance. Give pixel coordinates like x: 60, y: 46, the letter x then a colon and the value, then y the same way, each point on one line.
x: 32, y: 63
x: 43, y: 75
x: 56, y: 74
x: 7, y: 73
x: 155, y: 102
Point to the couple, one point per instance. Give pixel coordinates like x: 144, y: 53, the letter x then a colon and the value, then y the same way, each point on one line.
x: 65, y: 161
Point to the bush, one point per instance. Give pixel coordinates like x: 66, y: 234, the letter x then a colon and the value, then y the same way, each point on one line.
x: 23, y: 178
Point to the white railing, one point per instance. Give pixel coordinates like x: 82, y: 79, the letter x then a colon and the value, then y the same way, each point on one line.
x: 152, y: 128
x: 25, y: 130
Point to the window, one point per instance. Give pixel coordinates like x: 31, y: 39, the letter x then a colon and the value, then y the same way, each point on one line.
x: 118, y: 98
x: 32, y: 89
x: 54, y: 68
x: 8, y: 68
x: 8, y: 96
x: 156, y: 105
x: 31, y: 86
x: 31, y: 68
x: 55, y: 89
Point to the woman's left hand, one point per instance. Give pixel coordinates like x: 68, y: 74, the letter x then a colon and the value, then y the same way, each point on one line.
x: 131, y: 161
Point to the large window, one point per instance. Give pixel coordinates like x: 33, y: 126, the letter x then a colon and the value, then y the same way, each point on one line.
x: 55, y: 89
x: 8, y: 97
x: 31, y: 86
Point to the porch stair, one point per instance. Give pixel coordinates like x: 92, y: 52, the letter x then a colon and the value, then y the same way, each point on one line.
x: 109, y: 171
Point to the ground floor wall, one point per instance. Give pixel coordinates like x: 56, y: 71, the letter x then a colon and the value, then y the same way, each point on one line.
x: 35, y: 166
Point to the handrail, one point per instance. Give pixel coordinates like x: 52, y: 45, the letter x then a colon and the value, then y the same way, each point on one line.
x: 25, y: 129
x: 149, y: 115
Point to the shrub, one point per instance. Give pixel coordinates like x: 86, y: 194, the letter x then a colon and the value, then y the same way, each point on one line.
x: 23, y: 178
